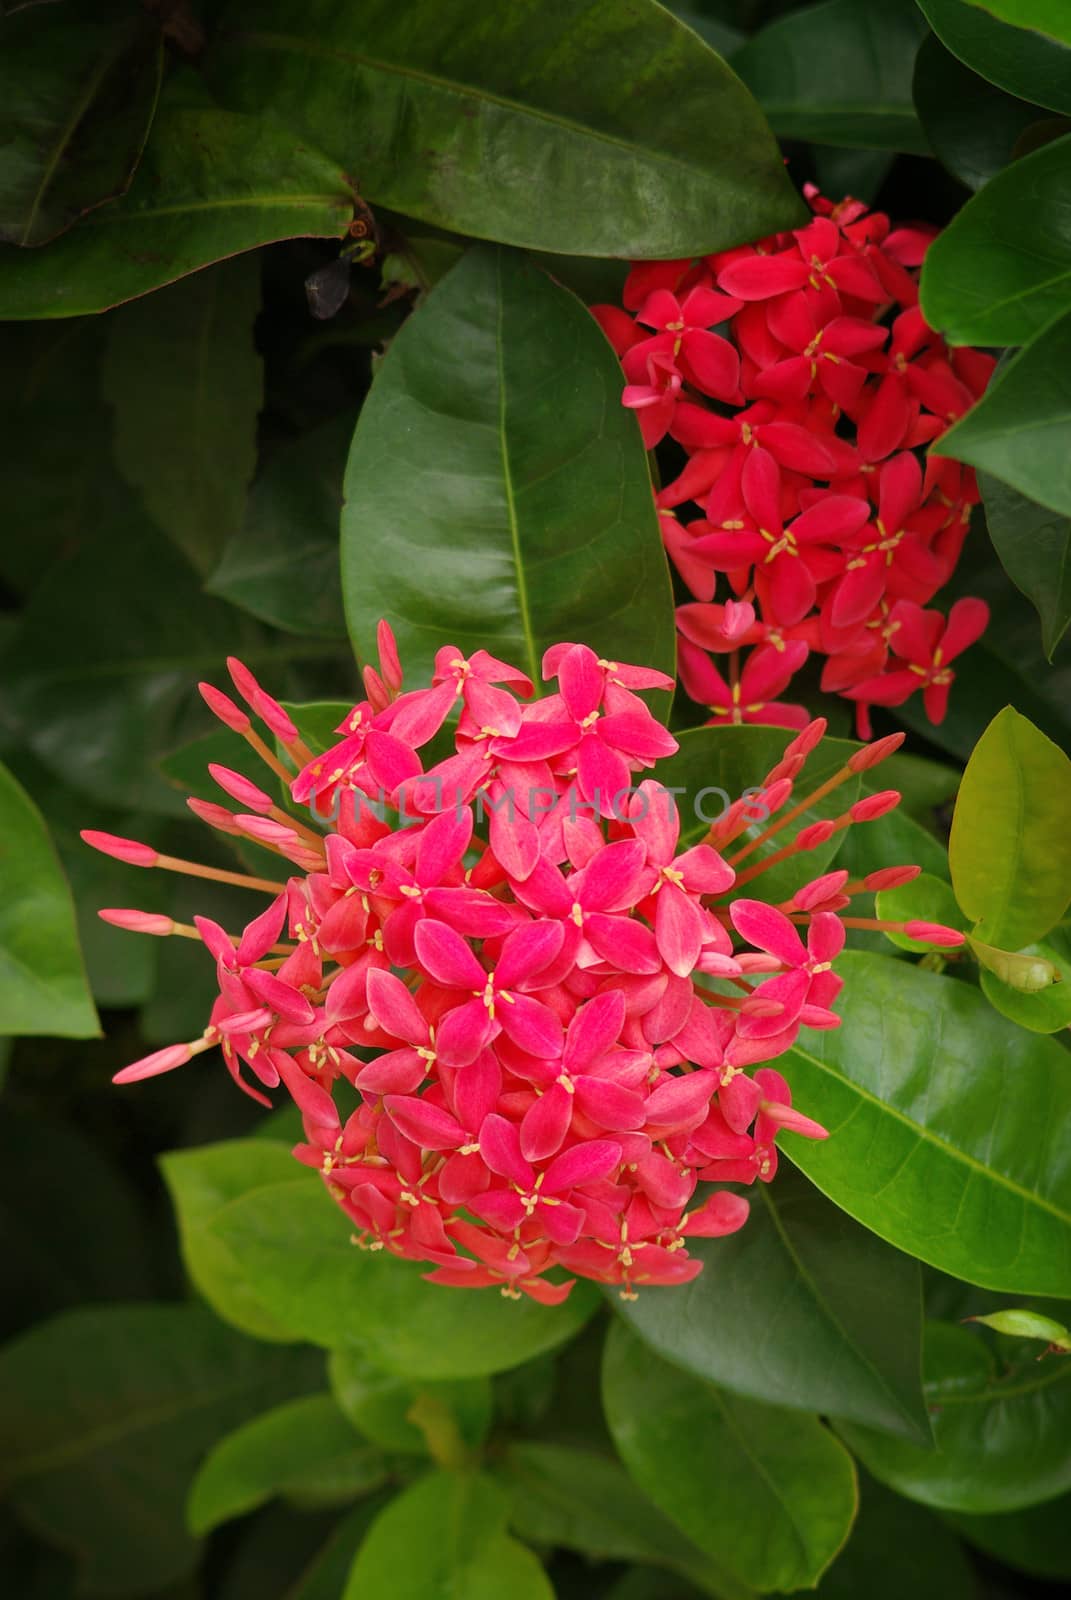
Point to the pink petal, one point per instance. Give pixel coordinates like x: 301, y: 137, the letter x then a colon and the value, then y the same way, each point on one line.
x: 637, y: 734
x: 626, y: 945
x: 394, y: 1008
x: 446, y: 957
x: 526, y: 951
x: 761, y: 485
x: 584, y: 1163
x: 594, y: 1029
x: 580, y: 680
x: 500, y: 1147
x: 425, y: 1124
x: 396, y: 1072
x: 442, y: 844
x: 602, y: 775
x: 531, y: 1025
x: 463, y: 1032
x: 682, y: 1102
x: 720, y: 1214
x: 704, y: 870
x: 610, y: 1105
x: 712, y: 363
x: 767, y: 929
x: 678, y: 929
x: 546, y: 1123
x: 758, y: 277
x: 967, y: 621
x: 612, y: 878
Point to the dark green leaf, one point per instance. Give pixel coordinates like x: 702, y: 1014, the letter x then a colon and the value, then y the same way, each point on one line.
x: 291, y: 1248
x: 1036, y: 1539
x: 1034, y: 546
x: 43, y: 987
x: 945, y: 1126
x: 457, y: 117
x: 446, y: 1536
x: 201, y: 1183
x: 77, y: 98
x: 305, y: 1447
x: 897, y: 1550
x: 971, y: 124
x: 497, y: 493
x: 211, y: 184
x: 282, y: 564
x: 106, y: 1414
x: 801, y: 1308
x: 1010, y: 850
x: 1047, y: 16
x: 1001, y: 270
x: 324, y: 1577
x: 1026, y: 63
x: 1001, y: 1436
x: 1020, y: 431
x: 184, y: 378
x: 715, y: 766
x: 381, y: 1404
x: 768, y: 1493
x: 839, y: 73
x: 586, y: 1502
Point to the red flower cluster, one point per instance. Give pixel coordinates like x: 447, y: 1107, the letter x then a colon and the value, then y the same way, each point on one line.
x: 806, y: 432
x: 551, y: 1029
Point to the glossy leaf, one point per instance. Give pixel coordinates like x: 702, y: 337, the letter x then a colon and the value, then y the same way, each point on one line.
x: 497, y: 493
x: 291, y: 1246
x: 1036, y: 1539
x: 715, y: 766
x: 1001, y: 1435
x: 1009, y: 850
x: 184, y: 380
x: 1034, y: 546
x: 839, y: 73
x: 305, y: 1447
x: 282, y: 562
x: 1043, y: 1010
x: 201, y: 1183
x: 1020, y: 431
x: 1028, y: 64
x: 1001, y: 270
x: 446, y: 1535
x: 382, y: 1405
x: 456, y: 117
x: 767, y: 1492
x: 78, y: 96
x: 1047, y: 16
x: 801, y: 1308
x: 953, y: 1153
x: 127, y: 1399
x: 211, y: 184
x: 925, y: 899
x: 898, y: 1549
x: 972, y: 125
x: 579, y: 1500
x: 43, y: 987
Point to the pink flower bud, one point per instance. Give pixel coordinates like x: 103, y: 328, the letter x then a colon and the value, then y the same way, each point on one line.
x: 267, y: 831
x: 933, y: 933
x: 890, y: 878
x: 243, y: 681
x: 128, y: 850
x: 873, y: 806
x: 871, y: 754
x: 817, y: 833
x: 223, y: 707
x: 280, y: 723
x: 808, y: 738
x: 215, y: 816
x: 390, y: 666
x: 775, y: 793
x: 240, y: 788
x: 138, y: 921
x: 166, y: 1060
x: 737, y: 618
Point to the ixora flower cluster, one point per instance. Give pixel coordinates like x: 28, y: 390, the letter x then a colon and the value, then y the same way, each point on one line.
x: 824, y: 522
x: 550, y: 1030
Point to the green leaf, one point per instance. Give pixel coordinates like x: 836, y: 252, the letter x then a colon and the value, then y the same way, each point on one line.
x: 497, y: 492
x: 580, y: 1500
x: 1020, y: 430
x: 897, y: 1549
x: 1026, y: 63
x: 201, y: 1183
x: 801, y: 1308
x: 1036, y: 1539
x: 305, y: 1447
x: 715, y: 766
x: 457, y: 116
x: 1001, y: 1436
x: 924, y: 899
x: 105, y: 1416
x: 1001, y: 270
x: 446, y: 1536
x: 1034, y: 546
x: 972, y: 125
x: 768, y: 1493
x: 78, y: 99
x: 282, y: 562
x: 184, y: 378
x: 1047, y: 16
x: 1044, y: 1010
x: 1009, y: 850
x: 945, y: 1125
x: 291, y: 1246
x: 839, y: 73
x: 382, y: 1405
x: 43, y: 987
x: 895, y: 839
x: 1022, y: 1324
x: 211, y: 184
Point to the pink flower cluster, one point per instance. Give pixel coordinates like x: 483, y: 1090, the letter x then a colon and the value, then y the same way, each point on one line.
x: 825, y: 525
x: 535, y: 1048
